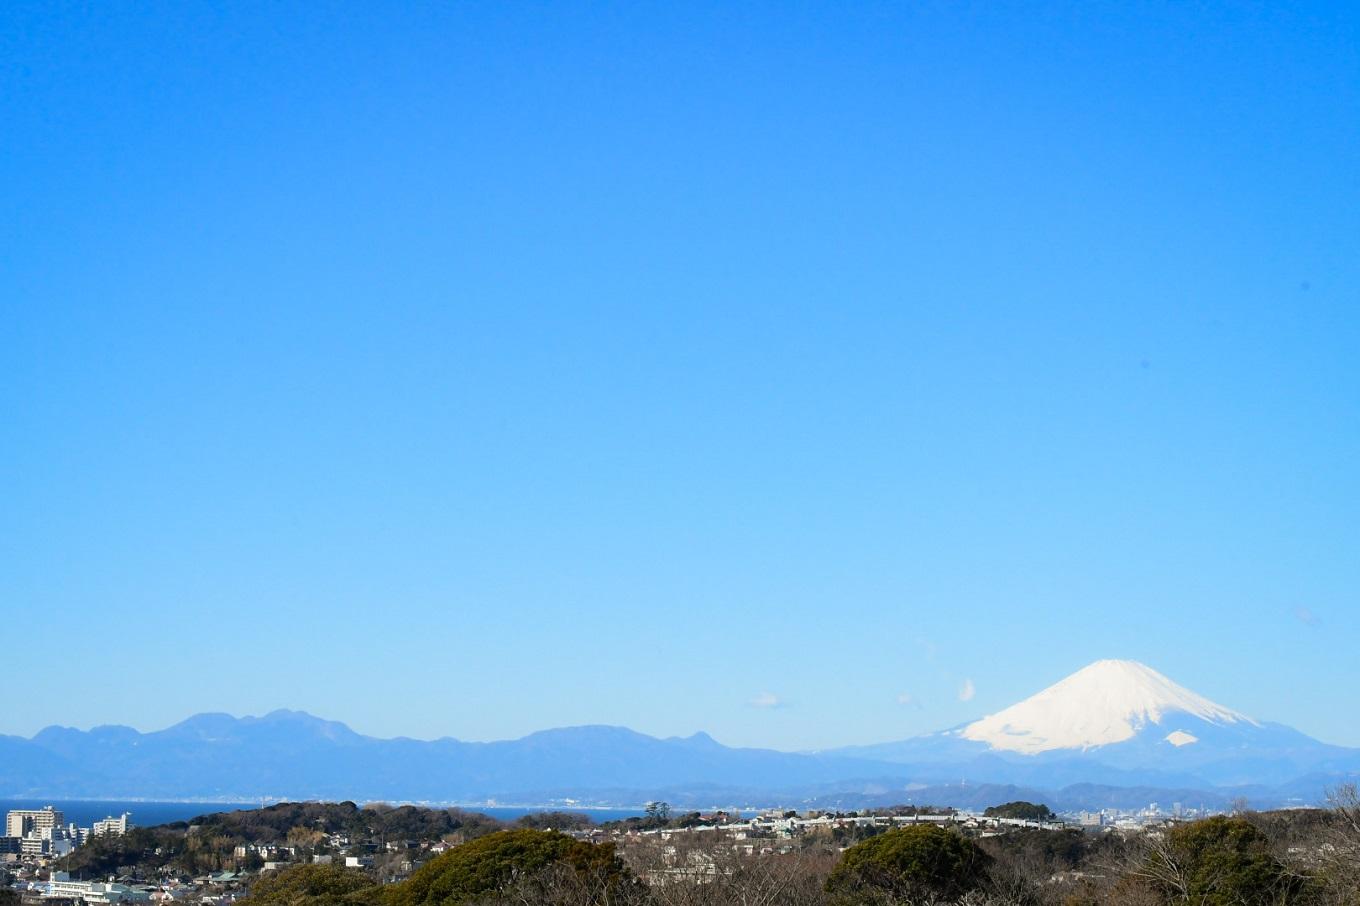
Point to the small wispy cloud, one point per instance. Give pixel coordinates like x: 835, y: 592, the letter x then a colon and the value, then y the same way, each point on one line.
x: 1306, y: 616
x: 766, y: 700
x: 967, y: 691
x: 908, y: 700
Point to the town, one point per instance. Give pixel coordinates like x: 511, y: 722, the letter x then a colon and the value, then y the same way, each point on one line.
x: 43, y: 834
x: 217, y: 858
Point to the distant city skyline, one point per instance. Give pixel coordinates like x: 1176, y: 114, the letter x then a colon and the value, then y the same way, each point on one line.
x: 807, y: 377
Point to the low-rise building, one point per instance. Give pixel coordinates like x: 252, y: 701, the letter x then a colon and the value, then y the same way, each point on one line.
x: 93, y: 893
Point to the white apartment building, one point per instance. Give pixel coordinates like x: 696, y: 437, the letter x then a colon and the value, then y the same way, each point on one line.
x: 112, y: 825
x: 50, y: 841
x: 21, y: 822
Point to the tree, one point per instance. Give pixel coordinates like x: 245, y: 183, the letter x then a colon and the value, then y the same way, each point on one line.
x: 314, y: 885
x: 1220, y: 861
x: 691, y: 870
x: 555, y: 821
x: 503, y: 860
x: 1341, y: 842
x: 909, y: 863
x: 658, y: 812
x: 1022, y: 810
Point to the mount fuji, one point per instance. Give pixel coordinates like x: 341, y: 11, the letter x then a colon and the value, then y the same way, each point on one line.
x: 1119, y: 722
x: 1113, y: 733
x: 1107, y: 703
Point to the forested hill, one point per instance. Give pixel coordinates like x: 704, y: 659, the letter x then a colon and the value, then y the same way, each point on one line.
x: 297, y: 829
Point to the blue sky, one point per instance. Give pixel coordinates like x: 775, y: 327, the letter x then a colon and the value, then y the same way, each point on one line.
x: 807, y: 374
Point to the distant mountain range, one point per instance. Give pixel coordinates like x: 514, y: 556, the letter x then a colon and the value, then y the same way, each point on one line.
x: 1116, y: 733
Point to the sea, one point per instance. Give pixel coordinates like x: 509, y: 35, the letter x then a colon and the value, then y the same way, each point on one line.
x: 84, y: 812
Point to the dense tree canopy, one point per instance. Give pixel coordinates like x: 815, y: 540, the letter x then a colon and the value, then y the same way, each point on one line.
x: 1027, y: 811
x: 555, y: 821
x: 914, y: 862
x: 314, y: 885
x: 479, y: 869
x: 1221, y: 861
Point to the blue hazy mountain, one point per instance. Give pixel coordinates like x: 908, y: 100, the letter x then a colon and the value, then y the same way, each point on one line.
x: 1113, y: 726
x: 295, y: 755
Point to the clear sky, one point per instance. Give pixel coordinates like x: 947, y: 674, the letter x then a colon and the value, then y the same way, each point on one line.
x: 803, y: 373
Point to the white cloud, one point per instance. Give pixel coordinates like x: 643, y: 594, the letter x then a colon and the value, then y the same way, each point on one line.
x: 967, y: 691
x: 1306, y: 616
x: 906, y: 698
x: 766, y: 700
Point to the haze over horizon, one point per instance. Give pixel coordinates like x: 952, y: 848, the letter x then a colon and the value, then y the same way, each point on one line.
x: 805, y: 377
x: 1081, y: 710
x: 980, y: 721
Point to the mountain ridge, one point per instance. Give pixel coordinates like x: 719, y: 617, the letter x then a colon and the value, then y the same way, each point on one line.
x: 1110, y: 724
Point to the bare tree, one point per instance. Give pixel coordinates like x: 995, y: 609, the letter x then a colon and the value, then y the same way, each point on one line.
x: 1154, y: 863
x: 1338, y: 850
x: 721, y: 872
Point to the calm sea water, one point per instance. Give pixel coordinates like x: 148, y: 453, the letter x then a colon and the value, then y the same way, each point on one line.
x: 146, y: 814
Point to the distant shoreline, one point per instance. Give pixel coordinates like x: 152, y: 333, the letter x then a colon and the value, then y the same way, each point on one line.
x: 154, y: 812
x: 269, y: 800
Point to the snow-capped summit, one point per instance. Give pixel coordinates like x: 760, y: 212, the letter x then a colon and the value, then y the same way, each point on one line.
x: 1118, y: 723
x: 1106, y: 702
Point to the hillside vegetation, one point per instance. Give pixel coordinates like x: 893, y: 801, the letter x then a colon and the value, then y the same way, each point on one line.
x: 209, y: 843
x: 1287, y: 858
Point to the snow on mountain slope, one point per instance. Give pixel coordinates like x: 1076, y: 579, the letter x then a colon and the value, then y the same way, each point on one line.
x: 1106, y: 702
